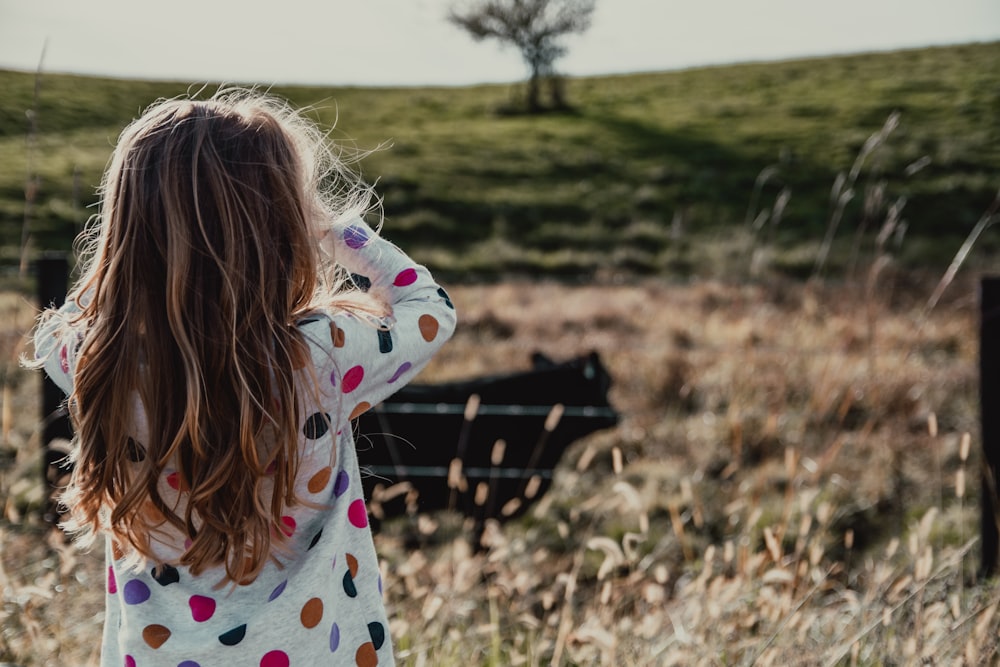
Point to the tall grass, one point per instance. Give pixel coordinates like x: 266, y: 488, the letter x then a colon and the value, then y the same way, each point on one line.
x: 771, y: 501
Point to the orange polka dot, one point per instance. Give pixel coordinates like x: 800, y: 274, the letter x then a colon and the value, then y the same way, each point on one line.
x: 312, y: 613
x: 337, y: 335
x: 428, y: 327
x: 360, y: 409
x: 319, y: 481
x: 155, y: 635
x: 366, y: 655
x: 352, y: 565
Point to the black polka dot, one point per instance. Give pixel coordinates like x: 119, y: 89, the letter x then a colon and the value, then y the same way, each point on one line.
x: 315, y: 540
x: 384, y: 341
x: 234, y: 636
x: 165, y: 575
x: 447, y: 299
x: 349, y: 587
x: 377, y: 632
x: 363, y: 283
x: 316, y: 426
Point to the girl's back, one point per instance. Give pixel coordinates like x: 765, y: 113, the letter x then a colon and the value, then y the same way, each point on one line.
x: 213, y: 369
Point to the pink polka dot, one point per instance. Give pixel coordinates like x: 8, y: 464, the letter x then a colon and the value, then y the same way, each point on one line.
x: 112, y: 584
x: 352, y: 378
x: 274, y: 659
x: 288, y: 524
x: 63, y: 360
x: 202, y: 608
x: 357, y: 514
x: 173, y: 480
x: 405, y: 277
x: 129, y: 661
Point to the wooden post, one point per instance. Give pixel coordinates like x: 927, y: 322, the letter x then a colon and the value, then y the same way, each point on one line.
x: 52, y: 270
x: 989, y: 394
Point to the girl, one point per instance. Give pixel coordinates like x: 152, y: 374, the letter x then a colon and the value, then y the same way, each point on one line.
x: 213, y: 365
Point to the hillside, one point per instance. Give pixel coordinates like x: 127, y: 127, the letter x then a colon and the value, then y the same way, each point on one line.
x: 649, y: 174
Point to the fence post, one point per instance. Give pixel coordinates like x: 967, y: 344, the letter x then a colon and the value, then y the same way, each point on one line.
x: 989, y: 394
x: 52, y: 275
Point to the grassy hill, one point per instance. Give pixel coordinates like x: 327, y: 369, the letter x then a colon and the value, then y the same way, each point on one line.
x: 648, y: 174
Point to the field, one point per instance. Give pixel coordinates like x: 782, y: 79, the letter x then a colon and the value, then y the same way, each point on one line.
x: 784, y: 487
x: 795, y: 479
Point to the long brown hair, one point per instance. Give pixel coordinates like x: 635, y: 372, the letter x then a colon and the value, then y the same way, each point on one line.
x: 202, y: 258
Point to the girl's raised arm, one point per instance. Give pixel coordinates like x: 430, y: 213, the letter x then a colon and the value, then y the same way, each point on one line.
x: 376, y: 359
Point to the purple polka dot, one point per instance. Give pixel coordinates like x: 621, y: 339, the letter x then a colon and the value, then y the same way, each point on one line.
x: 355, y: 236
x: 278, y: 590
x: 405, y: 277
x: 135, y: 592
x: 334, y: 638
x: 189, y: 663
x: 333, y: 379
x: 399, y: 371
x: 341, y: 483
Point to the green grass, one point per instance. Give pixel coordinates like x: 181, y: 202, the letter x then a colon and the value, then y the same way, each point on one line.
x: 649, y: 174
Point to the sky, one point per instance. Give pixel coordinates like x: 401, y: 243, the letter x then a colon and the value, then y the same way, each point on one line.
x: 410, y: 42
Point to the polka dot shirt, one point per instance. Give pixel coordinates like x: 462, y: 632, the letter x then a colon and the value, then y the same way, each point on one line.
x: 323, y: 605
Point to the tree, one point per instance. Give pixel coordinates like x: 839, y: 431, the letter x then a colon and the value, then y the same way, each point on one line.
x: 534, y: 27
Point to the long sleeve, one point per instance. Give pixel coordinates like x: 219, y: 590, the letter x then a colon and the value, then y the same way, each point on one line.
x: 56, y: 343
x: 377, y: 358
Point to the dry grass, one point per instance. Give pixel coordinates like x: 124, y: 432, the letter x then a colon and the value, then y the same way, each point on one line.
x: 783, y: 489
